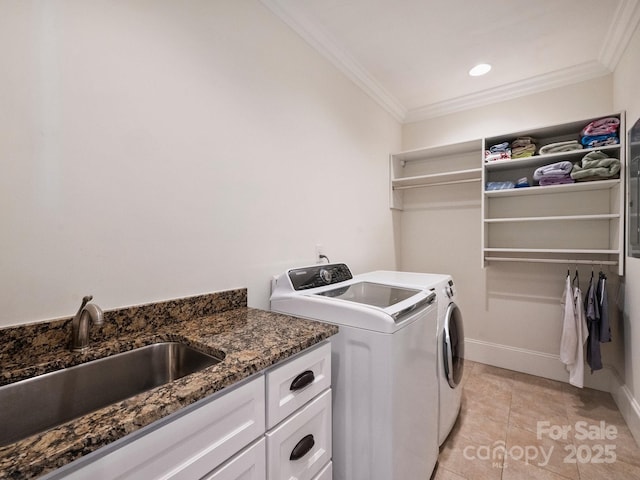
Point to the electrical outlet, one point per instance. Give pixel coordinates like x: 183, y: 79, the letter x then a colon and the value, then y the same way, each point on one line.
x: 319, y: 251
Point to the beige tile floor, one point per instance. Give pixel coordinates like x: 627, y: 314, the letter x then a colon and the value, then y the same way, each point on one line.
x: 582, y: 435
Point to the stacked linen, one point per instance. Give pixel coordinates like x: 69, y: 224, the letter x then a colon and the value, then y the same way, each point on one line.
x: 595, y: 166
x: 600, y: 133
x: 523, y: 147
x: 500, y: 151
x: 554, y: 174
x: 499, y: 186
x: 558, y: 147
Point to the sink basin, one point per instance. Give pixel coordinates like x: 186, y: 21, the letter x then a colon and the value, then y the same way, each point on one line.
x: 43, y: 402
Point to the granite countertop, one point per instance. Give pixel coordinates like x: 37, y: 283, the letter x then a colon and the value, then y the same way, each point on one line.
x: 220, y: 324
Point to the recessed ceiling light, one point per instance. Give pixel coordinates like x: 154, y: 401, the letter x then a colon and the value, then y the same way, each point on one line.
x: 480, y: 69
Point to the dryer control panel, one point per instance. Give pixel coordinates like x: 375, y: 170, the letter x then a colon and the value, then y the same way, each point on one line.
x: 319, y: 275
x: 449, y: 289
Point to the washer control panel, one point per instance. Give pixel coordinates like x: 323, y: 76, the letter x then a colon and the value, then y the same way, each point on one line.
x: 319, y: 275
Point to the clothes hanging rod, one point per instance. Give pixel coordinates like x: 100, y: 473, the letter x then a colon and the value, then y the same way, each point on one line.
x: 552, y: 260
x: 452, y: 182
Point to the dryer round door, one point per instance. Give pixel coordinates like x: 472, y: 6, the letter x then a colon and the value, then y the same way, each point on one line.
x: 453, y: 345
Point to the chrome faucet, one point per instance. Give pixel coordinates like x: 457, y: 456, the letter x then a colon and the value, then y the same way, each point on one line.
x: 80, y: 324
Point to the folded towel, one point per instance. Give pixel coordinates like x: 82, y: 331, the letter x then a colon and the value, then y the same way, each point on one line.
x: 601, y: 126
x: 523, y: 152
x: 594, y: 141
x: 523, y: 142
x: 597, y: 173
x: 499, y: 186
x: 490, y: 157
x: 595, y: 166
x: 500, y: 147
x: 596, y: 159
x: 560, y: 147
x: 555, y: 180
x: 554, y: 169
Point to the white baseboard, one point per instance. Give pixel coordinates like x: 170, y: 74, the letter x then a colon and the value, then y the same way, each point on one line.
x: 532, y: 362
x: 628, y: 405
x: 549, y: 366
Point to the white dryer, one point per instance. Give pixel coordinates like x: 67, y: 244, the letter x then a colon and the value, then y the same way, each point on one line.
x: 450, y: 336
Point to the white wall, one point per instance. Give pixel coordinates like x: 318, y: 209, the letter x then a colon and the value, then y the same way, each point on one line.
x: 154, y: 149
x: 512, y: 311
x: 627, y: 95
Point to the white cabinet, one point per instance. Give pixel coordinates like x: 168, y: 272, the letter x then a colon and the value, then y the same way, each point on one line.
x: 187, y: 447
x: 300, y: 447
x: 294, y: 383
x: 249, y: 464
x: 326, y: 473
x: 433, y: 166
x: 299, y: 417
x: 572, y: 223
x: 223, y: 437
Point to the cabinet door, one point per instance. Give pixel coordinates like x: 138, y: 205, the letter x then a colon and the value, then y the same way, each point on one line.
x: 250, y: 464
x: 326, y: 473
x: 300, y: 446
x: 186, y: 446
x: 295, y: 382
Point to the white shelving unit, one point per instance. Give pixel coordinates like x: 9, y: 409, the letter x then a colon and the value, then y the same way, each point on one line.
x: 433, y: 167
x: 577, y: 223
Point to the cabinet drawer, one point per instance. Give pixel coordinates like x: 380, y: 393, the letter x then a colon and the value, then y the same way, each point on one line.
x: 294, y: 383
x: 326, y: 473
x: 301, y: 445
x: 249, y: 464
x: 185, y: 447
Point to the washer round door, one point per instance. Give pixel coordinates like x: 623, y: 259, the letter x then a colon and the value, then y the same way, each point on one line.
x: 453, y: 346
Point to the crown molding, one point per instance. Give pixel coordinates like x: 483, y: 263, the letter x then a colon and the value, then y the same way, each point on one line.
x: 326, y: 46
x: 625, y: 21
x: 537, y: 84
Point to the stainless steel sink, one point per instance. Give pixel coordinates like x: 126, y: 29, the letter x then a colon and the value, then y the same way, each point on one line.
x: 43, y: 402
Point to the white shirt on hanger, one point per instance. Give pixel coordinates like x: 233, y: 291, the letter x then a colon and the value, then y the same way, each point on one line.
x: 574, y: 334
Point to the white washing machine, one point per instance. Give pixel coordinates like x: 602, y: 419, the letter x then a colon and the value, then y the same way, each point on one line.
x: 384, y: 367
x: 450, y: 339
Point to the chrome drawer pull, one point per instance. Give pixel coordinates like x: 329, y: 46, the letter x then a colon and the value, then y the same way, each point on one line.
x: 302, y: 447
